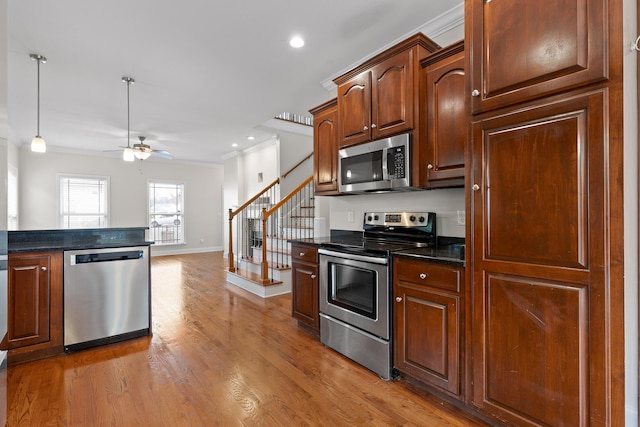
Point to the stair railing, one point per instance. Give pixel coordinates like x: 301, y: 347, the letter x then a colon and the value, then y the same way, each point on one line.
x: 248, y: 223
x: 290, y: 218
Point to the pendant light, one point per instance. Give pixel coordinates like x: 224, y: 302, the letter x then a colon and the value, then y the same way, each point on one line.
x: 38, y: 144
x: 127, y: 154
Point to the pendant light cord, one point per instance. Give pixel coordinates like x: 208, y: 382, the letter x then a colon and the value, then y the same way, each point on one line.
x: 38, y: 103
x: 128, y: 116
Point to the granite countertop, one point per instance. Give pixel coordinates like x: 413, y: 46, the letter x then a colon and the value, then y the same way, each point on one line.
x: 74, y: 239
x: 450, y: 254
x: 449, y: 250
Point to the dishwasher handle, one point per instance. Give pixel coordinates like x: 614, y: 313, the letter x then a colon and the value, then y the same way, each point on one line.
x: 106, y: 257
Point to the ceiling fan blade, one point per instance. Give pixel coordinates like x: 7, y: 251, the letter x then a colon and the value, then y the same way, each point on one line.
x: 163, y: 154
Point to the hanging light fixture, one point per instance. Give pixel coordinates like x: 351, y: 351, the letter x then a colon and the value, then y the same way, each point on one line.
x: 141, y: 150
x: 38, y: 144
x: 127, y: 154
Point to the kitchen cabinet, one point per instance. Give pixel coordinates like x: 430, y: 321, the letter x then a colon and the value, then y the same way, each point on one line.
x: 379, y: 98
x: 34, y: 305
x: 542, y: 290
x: 443, y: 90
x: 325, y: 148
x: 523, y: 50
x: 544, y: 196
x: 305, y: 286
x: 428, y: 322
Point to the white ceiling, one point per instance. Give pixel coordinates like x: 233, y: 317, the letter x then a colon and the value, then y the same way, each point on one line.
x: 207, y: 73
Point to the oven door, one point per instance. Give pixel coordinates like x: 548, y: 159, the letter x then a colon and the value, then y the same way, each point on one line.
x: 355, y: 290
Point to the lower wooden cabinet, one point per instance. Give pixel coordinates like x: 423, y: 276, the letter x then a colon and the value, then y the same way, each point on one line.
x: 34, y: 306
x: 428, y: 322
x: 304, y: 287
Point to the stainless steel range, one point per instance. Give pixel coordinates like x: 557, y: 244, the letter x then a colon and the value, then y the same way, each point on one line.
x: 355, y: 285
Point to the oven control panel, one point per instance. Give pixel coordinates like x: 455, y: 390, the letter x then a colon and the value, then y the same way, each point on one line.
x: 397, y: 219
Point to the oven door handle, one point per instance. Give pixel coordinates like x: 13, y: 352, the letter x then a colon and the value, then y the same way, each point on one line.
x: 355, y: 257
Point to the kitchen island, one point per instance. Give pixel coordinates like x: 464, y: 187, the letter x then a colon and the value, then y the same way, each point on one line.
x: 36, y: 283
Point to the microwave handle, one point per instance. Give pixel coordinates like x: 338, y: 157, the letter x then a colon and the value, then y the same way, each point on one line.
x: 385, y: 164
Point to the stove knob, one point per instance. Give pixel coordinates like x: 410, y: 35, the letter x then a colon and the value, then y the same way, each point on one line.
x: 421, y: 219
x: 376, y: 217
x: 412, y: 218
x: 369, y: 218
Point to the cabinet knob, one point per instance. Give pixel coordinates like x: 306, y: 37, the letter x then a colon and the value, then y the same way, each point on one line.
x: 313, y: 276
x: 301, y: 253
x: 365, y: 128
x: 373, y: 125
x: 429, y: 166
x: 475, y: 187
x: 475, y: 92
x: 43, y: 268
x: 398, y: 299
x: 423, y: 276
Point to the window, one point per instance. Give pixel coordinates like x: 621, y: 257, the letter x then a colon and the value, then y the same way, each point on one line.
x: 83, y: 201
x: 166, y: 212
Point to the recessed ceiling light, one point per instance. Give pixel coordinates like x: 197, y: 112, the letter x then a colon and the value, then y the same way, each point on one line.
x: 234, y: 145
x: 296, y: 42
x: 251, y: 138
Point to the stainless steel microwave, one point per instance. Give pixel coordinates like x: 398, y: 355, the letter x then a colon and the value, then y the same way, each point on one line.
x: 380, y: 165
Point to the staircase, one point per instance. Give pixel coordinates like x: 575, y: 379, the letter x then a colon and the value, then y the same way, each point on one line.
x: 259, y: 230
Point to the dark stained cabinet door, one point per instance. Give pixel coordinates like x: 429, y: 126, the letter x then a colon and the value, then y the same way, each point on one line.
x: 392, y: 96
x: 447, y: 117
x: 428, y: 323
x: 305, y: 286
x: 29, y: 299
x: 354, y: 107
x: 540, y: 284
x: 520, y: 50
x: 325, y: 148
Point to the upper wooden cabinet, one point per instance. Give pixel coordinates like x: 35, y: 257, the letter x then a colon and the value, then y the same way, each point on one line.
x: 380, y: 98
x: 325, y: 148
x: 523, y: 50
x: 443, y: 91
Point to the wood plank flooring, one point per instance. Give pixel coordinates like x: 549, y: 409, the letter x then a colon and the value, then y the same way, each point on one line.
x: 219, y: 356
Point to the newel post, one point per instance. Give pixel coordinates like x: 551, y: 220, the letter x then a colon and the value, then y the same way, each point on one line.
x: 232, y: 266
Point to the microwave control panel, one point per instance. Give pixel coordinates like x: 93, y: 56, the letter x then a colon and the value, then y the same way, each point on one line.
x: 396, y: 159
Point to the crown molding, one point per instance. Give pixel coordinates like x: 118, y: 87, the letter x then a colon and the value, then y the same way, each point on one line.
x: 439, y: 25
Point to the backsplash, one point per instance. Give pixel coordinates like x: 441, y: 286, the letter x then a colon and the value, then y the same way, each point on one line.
x: 347, y: 212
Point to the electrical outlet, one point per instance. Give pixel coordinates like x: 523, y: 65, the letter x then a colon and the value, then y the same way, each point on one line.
x: 461, y: 218
x: 350, y: 216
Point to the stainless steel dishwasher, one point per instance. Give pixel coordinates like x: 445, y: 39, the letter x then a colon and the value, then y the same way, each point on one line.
x: 106, y: 296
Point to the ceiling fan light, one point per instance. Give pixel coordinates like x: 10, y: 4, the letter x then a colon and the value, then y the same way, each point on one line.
x: 38, y: 145
x: 142, y: 155
x: 127, y: 155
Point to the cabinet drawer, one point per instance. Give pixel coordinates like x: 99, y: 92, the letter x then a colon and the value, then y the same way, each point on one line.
x: 304, y: 253
x: 427, y: 273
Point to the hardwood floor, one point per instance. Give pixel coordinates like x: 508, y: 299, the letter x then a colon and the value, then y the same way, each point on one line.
x: 218, y: 356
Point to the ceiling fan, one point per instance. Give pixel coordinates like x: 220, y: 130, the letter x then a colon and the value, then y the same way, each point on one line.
x: 140, y: 150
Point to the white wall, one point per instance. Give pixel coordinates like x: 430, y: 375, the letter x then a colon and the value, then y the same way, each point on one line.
x: 263, y: 159
x: 128, y: 194
x: 444, y: 202
x: 292, y: 149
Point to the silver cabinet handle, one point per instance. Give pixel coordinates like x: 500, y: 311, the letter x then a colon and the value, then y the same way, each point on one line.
x: 313, y: 276
x: 373, y: 125
x: 43, y: 268
x: 365, y: 128
x: 429, y: 166
x: 423, y: 276
x: 475, y: 92
x: 398, y: 299
x: 475, y: 187
x: 301, y: 253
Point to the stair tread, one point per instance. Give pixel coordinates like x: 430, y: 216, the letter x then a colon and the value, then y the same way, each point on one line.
x: 253, y: 277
